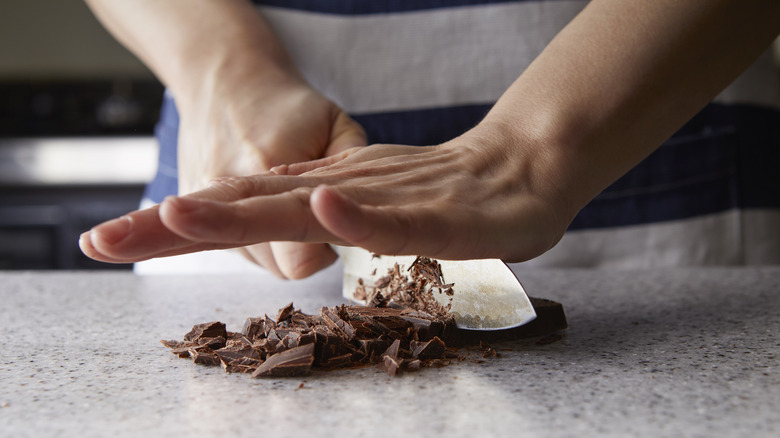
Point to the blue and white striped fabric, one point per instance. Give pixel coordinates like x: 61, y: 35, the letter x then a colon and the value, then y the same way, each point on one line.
x: 421, y: 72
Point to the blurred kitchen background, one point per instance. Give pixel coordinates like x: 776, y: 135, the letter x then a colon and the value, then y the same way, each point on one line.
x: 77, y: 114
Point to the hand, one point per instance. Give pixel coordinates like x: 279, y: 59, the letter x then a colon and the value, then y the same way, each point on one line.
x: 474, y: 197
x: 244, y: 106
x: 244, y: 125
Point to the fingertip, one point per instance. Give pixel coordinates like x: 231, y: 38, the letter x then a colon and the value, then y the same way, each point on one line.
x: 297, y: 260
x: 85, y: 244
x: 88, y: 249
x: 112, y: 232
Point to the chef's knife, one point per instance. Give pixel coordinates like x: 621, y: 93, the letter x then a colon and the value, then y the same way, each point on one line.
x: 487, y: 294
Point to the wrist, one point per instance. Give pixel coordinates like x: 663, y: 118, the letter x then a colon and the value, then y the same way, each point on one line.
x: 226, y: 72
x: 522, y: 159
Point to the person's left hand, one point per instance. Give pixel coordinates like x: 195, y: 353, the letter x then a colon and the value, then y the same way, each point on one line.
x: 246, y: 123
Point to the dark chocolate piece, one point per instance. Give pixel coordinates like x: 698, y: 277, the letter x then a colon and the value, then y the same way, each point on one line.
x: 334, y: 321
x: 294, y: 362
x: 393, y: 349
x: 285, y: 313
x: 390, y: 365
x: 433, y: 349
x: 204, y: 358
x: 254, y: 328
x: 207, y: 330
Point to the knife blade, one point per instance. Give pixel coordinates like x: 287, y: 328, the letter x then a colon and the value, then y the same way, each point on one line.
x: 487, y: 294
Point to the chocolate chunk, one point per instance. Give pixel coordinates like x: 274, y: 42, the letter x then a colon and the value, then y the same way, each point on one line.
x: 393, y: 349
x: 328, y: 344
x: 242, y: 361
x: 210, y: 343
x: 237, y: 341
x: 254, y: 328
x: 372, y: 347
x: 390, y: 365
x: 338, y: 361
x: 178, y: 348
x: 412, y: 365
x: 173, y: 345
x: 433, y: 349
x: 207, y: 330
x: 307, y: 338
x: 204, y: 358
x: 292, y: 339
x: 285, y: 313
x: 425, y: 329
x: 334, y: 321
x: 294, y: 362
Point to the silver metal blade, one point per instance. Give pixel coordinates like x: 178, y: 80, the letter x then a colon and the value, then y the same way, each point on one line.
x: 487, y: 294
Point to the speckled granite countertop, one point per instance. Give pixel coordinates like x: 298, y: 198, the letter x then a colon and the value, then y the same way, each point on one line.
x: 689, y: 352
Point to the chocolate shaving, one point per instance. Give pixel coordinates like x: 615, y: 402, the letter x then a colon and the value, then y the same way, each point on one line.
x: 415, y: 291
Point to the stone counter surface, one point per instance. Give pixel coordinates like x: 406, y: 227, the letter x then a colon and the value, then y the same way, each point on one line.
x: 688, y: 352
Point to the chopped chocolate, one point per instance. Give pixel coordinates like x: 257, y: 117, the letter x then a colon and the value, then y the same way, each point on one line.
x: 432, y: 349
x: 332, y: 319
x: 204, y: 358
x: 488, y: 351
x: 206, y: 330
x: 294, y: 362
x: 338, y: 361
x: 412, y: 365
x: 390, y: 365
x: 414, y: 291
x: 404, y: 328
x: 211, y: 343
x: 285, y: 313
x: 254, y: 328
x: 393, y: 349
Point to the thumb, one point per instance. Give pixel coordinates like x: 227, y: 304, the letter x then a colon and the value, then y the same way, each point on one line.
x: 346, y: 134
x: 383, y: 230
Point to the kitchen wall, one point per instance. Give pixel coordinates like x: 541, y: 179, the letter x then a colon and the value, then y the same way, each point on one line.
x: 59, y: 39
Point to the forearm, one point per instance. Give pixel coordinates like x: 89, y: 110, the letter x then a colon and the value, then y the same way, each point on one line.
x: 622, y: 77
x: 185, y: 43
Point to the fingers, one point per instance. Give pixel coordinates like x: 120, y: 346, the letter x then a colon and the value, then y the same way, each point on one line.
x: 390, y: 230
x: 262, y: 255
x: 131, y: 237
x: 306, y: 166
x: 282, y: 217
x: 141, y: 235
x: 95, y: 245
x: 299, y: 260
